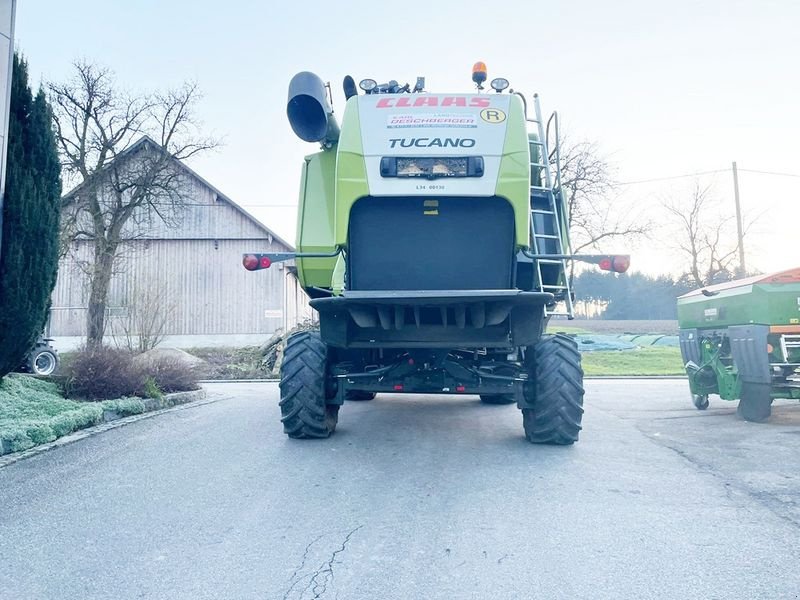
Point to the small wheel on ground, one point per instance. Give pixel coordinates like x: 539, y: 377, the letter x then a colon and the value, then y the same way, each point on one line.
x: 305, y: 411
x: 756, y: 402
x: 359, y: 395
x: 700, y: 401
x: 497, y: 398
x: 42, y: 361
x: 556, y: 391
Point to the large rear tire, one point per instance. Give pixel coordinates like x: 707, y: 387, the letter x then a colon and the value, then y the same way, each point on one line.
x: 756, y: 402
x: 556, y: 392
x: 305, y: 412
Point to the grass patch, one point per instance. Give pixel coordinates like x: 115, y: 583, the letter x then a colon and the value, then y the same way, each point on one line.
x: 231, y: 363
x: 654, y: 360
x: 34, y: 412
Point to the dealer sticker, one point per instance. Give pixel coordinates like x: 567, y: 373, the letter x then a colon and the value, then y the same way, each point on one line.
x: 404, y: 121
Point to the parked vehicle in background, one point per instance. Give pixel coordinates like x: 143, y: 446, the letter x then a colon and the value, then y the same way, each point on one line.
x: 741, y: 341
x: 42, y: 359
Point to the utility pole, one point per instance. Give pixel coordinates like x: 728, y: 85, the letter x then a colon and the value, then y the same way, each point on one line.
x: 742, y: 267
x: 7, y: 14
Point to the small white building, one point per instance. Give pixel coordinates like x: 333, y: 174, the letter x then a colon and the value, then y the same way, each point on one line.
x: 191, y: 274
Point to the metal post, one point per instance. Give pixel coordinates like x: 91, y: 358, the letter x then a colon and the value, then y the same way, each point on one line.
x: 8, y: 9
x: 739, y: 227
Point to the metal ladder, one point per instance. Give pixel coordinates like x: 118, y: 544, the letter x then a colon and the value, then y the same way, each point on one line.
x: 789, y: 342
x: 550, y: 214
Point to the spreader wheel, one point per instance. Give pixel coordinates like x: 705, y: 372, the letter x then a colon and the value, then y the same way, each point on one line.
x: 700, y: 401
x: 756, y: 402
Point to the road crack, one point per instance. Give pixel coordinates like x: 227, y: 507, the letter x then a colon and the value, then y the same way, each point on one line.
x: 321, y: 578
x: 318, y: 587
x: 764, y: 499
x: 294, y: 579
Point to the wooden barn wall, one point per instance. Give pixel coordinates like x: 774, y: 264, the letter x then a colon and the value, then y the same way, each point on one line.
x: 202, y: 279
x: 203, y: 214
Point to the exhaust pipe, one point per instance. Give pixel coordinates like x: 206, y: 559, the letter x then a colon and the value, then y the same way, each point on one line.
x: 309, y: 112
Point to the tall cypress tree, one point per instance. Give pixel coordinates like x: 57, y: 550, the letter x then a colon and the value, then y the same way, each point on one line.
x: 29, y: 258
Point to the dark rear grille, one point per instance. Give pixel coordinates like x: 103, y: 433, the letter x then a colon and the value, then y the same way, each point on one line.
x: 418, y: 243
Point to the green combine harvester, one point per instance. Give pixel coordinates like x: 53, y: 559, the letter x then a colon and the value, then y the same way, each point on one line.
x: 741, y: 341
x: 432, y: 238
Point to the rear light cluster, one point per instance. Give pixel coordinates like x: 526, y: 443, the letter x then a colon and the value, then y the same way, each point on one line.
x: 617, y: 264
x: 253, y: 262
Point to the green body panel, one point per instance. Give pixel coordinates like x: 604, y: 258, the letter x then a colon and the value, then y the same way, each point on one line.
x: 315, y: 219
x: 337, y: 278
x: 351, y: 170
x: 760, y: 303
x: 514, y: 180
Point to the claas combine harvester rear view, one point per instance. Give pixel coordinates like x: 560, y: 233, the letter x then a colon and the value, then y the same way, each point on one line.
x: 433, y: 240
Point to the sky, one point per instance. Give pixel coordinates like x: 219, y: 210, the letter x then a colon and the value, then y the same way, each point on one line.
x: 665, y: 89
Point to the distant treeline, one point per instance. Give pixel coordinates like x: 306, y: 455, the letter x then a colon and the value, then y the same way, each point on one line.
x: 631, y: 296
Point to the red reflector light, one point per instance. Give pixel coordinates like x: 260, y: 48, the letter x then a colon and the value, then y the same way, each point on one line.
x: 398, y: 387
x: 265, y: 262
x: 617, y: 264
x: 620, y: 264
x: 250, y: 262
x: 460, y: 388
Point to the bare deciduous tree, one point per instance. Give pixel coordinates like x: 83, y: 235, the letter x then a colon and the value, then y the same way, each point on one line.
x: 149, y: 309
x: 118, y: 149
x: 705, y: 236
x: 596, y: 215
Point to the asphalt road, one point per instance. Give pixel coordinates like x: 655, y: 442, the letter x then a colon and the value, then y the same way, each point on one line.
x: 414, y: 497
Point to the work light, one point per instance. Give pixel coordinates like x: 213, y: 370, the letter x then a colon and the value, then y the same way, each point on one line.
x: 499, y: 84
x: 367, y: 84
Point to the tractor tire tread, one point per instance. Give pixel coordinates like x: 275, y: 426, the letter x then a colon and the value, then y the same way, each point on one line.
x: 558, y: 396
x: 304, y: 412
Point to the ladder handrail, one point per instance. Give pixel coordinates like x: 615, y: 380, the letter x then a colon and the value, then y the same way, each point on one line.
x: 557, y: 150
x: 549, y: 187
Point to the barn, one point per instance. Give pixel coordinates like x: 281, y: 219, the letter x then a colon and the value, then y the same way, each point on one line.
x: 184, y: 276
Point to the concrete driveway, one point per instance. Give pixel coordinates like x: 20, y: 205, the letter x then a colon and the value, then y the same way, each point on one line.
x: 414, y: 497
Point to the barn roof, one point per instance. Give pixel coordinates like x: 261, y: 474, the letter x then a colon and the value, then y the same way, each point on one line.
x: 221, y: 197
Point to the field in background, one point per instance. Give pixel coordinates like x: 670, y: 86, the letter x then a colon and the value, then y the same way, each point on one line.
x: 642, y: 361
x: 650, y: 360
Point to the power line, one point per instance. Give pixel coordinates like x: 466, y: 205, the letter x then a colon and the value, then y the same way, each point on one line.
x: 674, y: 177
x: 771, y: 173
